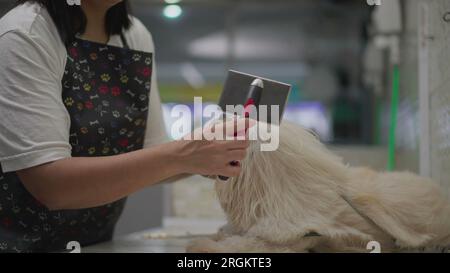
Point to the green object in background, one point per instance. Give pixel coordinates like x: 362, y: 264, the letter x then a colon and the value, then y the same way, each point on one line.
x: 394, y: 113
x: 295, y: 95
x: 183, y: 93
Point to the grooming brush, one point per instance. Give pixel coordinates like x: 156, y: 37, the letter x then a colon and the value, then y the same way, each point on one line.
x: 253, y: 99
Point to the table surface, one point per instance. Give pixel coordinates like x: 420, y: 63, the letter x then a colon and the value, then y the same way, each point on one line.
x: 171, y: 238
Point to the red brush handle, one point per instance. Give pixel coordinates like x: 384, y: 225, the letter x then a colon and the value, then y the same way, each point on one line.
x: 247, y: 109
x: 254, y: 98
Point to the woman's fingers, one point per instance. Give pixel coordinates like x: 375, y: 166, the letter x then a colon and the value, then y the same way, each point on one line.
x: 236, y: 155
x: 236, y: 127
x: 231, y: 171
x: 235, y: 144
x: 213, y: 156
x: 229, y: 130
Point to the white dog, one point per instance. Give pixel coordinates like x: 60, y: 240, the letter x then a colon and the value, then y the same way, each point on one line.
x: 302, y: 198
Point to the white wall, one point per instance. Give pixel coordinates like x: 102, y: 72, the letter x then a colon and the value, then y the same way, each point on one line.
x: 437, y: 44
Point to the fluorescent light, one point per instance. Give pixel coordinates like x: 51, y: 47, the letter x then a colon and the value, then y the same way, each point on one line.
x: 172, y: 11
x: 172, y: 1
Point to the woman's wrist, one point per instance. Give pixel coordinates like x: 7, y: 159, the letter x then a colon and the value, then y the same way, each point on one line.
x: 176, y: 156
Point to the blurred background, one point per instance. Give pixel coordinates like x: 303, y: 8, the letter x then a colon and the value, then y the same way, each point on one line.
x: 316, y: 46
x: 368, y: 76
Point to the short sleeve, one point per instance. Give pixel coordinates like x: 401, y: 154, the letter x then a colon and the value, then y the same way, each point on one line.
x: 34, y: 124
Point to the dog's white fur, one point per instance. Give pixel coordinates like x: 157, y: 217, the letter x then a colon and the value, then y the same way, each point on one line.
x: 283, y: 196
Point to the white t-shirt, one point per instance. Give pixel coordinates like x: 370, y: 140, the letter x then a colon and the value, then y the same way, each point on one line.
x: 34, y: 123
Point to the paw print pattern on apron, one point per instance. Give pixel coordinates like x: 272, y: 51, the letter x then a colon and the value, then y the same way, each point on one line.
x: 106, y: 92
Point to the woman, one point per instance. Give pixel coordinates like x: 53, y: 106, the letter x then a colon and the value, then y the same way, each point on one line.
x: 81, y: 124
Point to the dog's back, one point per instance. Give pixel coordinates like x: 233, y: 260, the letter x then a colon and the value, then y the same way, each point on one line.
x: 302, y: 187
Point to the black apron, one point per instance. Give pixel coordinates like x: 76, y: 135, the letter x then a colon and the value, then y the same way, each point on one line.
x: 106, y: 92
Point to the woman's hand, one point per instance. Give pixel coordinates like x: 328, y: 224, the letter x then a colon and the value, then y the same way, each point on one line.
x: 86, y: 182
x: 213, y: 157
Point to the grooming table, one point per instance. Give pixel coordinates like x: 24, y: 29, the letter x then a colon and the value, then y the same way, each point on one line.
x: 171, y: 238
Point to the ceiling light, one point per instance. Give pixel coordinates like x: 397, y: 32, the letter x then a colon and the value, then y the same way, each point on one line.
x: 172, y: 1
x: 172, y: 11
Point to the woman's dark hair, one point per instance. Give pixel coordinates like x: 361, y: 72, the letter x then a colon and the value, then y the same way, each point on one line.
x: 71, y: 20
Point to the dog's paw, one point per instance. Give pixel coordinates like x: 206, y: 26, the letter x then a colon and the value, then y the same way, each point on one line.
x: 203, y: 245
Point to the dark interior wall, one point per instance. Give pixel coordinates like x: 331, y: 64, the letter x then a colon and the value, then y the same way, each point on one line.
x: 306, y: 33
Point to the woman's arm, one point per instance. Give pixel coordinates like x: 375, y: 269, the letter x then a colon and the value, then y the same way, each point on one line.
x: 77, y: 183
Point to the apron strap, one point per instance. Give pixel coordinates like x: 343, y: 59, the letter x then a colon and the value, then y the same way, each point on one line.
x: 124, y: 41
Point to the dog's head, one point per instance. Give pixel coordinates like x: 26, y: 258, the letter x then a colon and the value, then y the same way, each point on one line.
x: 275, y: 182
